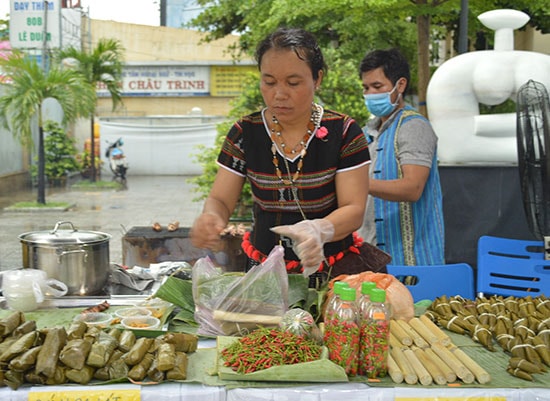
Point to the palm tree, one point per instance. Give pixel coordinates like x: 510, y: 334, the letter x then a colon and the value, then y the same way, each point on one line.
x: 103, y: 65
x: 27, y: 85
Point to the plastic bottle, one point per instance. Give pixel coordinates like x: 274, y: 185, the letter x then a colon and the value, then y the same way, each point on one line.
x: 342, y: 332
x: 334, y: 299
x: 364, y: 299
x: 375, y: 336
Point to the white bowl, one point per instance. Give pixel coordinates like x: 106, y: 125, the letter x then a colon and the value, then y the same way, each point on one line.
x: 133, y: 311
x: 140, y: 323
x: 98, y: 319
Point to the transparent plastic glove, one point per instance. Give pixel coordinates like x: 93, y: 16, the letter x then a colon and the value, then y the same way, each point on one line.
x: 308, y: 237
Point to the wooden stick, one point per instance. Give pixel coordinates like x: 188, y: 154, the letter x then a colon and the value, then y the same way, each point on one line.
x: 454, y: 363
x: 482, y: 376
x: 399, y: 333
x: 436, y: 330
x: 437, y: 374
x: 421, y: 329
x: 394, y: 371
x: 423, y: 375
x: 417, y: 338
x: 450, y: 375
x: 404, y: 365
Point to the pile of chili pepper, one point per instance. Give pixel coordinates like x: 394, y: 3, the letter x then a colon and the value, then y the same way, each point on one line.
x: 342, y: 340
x: 374, y: 348
x: 264, y: 348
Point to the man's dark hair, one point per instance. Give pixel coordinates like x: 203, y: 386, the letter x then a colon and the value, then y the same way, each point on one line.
x: 392, y: 62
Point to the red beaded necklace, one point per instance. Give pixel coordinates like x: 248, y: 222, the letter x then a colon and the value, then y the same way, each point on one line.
x: 277, y: 138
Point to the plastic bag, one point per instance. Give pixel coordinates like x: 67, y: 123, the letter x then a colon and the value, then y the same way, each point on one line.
x: 397, y: 294
x: 231, y: 304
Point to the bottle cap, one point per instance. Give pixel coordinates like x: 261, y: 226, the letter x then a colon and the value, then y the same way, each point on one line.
x: 367, y: 286
x: 377, y: 295
x: 347, y: 294
x: 338, y: 285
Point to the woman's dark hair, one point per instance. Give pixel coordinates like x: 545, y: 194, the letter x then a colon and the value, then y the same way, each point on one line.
x: 392, y: 62
x: 300, y: 42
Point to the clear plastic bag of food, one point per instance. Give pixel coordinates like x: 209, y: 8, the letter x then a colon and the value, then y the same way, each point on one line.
x: 235, y: 304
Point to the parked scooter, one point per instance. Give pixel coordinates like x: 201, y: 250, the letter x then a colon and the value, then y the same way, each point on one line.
x: 117, y: 160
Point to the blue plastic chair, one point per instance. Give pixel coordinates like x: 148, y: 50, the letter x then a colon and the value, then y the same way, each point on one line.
x: 512, y: 267
x: 431, y: 282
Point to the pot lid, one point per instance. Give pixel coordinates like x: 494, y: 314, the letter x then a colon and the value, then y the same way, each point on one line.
x: 64, y: 237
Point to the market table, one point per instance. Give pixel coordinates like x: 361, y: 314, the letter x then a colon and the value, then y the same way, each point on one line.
x: 324, y: 392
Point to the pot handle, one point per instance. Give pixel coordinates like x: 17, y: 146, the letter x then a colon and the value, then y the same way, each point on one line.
x: 63, y: 253
x: 55, y: 287
x: 56, y: 227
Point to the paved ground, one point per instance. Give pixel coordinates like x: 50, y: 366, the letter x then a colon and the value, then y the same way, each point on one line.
x: 146, y: 200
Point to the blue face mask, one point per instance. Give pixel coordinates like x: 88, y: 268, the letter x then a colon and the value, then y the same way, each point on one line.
x: 380, y: 104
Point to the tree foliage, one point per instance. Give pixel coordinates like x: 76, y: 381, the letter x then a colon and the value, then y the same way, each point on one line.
x: 346, y: 31
x: 26, y: 86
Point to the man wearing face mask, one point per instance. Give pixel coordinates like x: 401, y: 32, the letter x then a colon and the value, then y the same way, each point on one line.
x: 404, y: 213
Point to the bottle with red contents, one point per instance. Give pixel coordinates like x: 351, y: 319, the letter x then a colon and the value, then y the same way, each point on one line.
x: 333, y: 301
x: 363, y: 302
x: 374, y: 339
x: 342, y: 332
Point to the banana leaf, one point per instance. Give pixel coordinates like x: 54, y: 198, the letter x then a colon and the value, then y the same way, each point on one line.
x: 321, y: 370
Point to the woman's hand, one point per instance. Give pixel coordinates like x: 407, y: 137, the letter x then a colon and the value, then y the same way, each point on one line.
x: 308, y: 237
x: 206, y: 231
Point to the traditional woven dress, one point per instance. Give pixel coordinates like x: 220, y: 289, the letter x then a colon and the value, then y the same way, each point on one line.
x: 247, y: 151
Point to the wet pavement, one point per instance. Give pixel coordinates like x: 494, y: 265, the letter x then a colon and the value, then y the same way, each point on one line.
x: 146, y: 200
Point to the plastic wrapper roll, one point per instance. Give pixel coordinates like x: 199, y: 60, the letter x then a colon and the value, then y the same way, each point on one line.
x: 101, y: 350
x: 10, y: 323
x: 75, y: 353
x: 25, y: 361
x: 103, y: 373
x: 179, y: 371
x: 138, y: 351
x: 139, y: 371
x: 55, y: 340
x: 154, y: 374
x: 77, y: 329
x: 13, y: 380
x: 23, y: 344
x: 24, y: 328
x: 118, y: 369
x: 183, y: 342
x: 80, y: 376
x: 126, y: 340
x: 166, y: 357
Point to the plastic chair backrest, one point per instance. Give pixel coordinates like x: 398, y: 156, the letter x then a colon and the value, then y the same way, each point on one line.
x: 512, y: 267
x: 434, y: 281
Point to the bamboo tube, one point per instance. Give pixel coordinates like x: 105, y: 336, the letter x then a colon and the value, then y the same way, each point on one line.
x: 423, y: 330
x: 406, y: 369
x: 400, y: 333
x: 450, y: 375
x: 454, y: 363
x: 421, y: 372
x: 434, y: 328
x: 431, y: 367
x: 481, y: 375
x: 394, y: 371
x: 416, y: 338
x: 395, y: 343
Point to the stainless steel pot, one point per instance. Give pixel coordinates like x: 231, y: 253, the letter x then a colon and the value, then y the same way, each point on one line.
x: 80, y: 259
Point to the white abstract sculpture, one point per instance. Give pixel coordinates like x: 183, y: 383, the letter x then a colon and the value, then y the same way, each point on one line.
x: 489, y: 77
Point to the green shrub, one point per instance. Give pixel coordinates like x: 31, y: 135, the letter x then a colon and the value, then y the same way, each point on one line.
x: 59, y: 153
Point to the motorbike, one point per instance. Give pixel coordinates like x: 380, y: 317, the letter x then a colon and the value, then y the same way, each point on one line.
x: 117, y: 159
